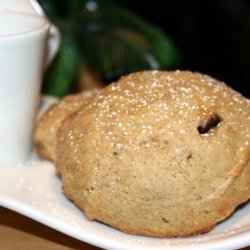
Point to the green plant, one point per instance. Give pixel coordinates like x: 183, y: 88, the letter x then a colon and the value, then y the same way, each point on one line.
x: 107, y: 38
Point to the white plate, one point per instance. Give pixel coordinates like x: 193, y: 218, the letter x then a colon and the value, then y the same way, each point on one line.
x: 34, y: 190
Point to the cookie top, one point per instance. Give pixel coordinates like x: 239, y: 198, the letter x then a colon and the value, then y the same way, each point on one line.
x: 158, y: 153
x: 47, y: 127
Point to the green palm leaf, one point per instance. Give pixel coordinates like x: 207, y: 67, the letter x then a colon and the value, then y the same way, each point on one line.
x: 118, y: 42
x: 110, y: 40
x: 64, y: 69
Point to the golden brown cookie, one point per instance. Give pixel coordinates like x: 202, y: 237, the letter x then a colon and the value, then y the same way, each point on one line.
x: 158, y: 153
x: 47, y: 127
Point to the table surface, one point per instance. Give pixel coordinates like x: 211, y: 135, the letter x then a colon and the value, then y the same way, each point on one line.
x: 18, y: 232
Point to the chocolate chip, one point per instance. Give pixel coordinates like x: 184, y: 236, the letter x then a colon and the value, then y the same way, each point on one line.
x: 211, y: 122
x: 165, y: 220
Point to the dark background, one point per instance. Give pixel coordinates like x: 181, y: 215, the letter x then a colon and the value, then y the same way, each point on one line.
x: 213, y: 37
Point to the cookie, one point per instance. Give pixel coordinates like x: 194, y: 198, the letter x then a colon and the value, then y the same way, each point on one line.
x: 46, y: 129
x: 162, y: 154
